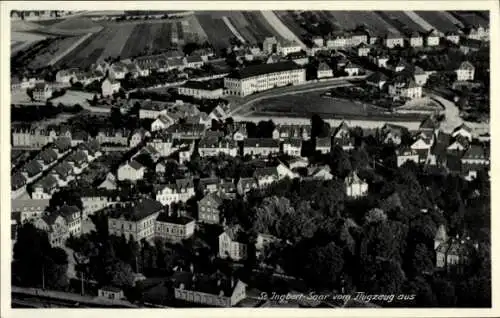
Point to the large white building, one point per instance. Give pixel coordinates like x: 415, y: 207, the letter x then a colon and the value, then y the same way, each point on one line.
x: 259, y: 78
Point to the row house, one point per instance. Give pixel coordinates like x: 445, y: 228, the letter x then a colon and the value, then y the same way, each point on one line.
x: 174, y: 229
x: 260, y: 146
x: 210, y: 146
x: 186, y: 131
x: 23, y: 83
x: 209, y: 209
x: 181, y: 191
x: 63, y: 172
x: 32, y: 170
x: 28, y: 209
x: 78, y: 161
x: 113, y: 136
x: 208, y: 291
x: 134, y: 220
x: 45, y: 188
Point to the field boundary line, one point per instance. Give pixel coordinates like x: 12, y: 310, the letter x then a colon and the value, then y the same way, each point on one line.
x: 233, y: 29
x: 281, y: 28
x: 71, y: 48
x: 422, y: 22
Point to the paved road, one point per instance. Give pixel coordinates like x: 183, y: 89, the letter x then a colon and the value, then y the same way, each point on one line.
x: 242, y: 103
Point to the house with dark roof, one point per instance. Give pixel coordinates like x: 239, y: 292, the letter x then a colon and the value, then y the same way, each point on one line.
x: 55, y: 226
x: 134, y: 219
x: 131, y: 170
x: 42, y: 92
x: 206, y: 290
x: 194, y: 61
x: 44, y: 188
x: 260, y: 146
x: 342, y: 137
x: 212, y: 89
x: 324, y: 71
x: 463, y: 130
x: 465, y: 72
x: 355, y: 186
x: 32, y: 170
x: 405, y: 154
x: 324, y: 145
x: 17, y: 185
x: 209, y: 209
x: 47, y: 157
x: 213, y: 146
x: 244, y: 185
x: 257, y: 78
x: 377, y: 79
x: 78, y: 160
x: 300, y: 58
x: 352, y: 69
x: 231, y: 244
x: 174, y: 228
x: 63, y: 173
x: 62, y: 145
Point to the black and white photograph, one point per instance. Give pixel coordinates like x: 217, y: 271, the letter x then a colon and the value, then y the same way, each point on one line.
x: 229, y: 158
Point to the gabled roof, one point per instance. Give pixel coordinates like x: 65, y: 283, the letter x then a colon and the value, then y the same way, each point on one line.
x: 265, y: 172
x: 213, y: 197
x: 466, y: 65
x: 33, y: 168
x: 135, y: 165
x: 474, y: 152
x: 17, y: 180
x: 261, y: 142
x: 47, y: 183
x: 165, y: 218
x: 136, y: 210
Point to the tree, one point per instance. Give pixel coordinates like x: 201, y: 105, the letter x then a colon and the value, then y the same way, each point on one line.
x: 319, y: 128
x: 265, y: 129
x: 120, y: 274
x: 376, y: 216
x: 422, y: 260
x: 322, y: 265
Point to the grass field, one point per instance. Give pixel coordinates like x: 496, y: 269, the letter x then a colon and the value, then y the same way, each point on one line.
x: 313, y: 103
x: 471, y: 18
x: 287, y: 18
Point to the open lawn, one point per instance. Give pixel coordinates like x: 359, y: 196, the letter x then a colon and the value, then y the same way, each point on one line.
x: 313, y: 103
x: 351, y: 19
x: 439, y: 20
x: 22, y: 40
x: 287, y: 18
x: 259, y: 26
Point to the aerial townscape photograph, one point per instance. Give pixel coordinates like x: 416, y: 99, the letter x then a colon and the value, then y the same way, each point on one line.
x: 249, y: 159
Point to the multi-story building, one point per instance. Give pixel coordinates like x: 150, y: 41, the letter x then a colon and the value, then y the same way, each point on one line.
x: 259, y: 78
x: 406, y: 88
x: 29, y: 209
x: 260, y: 146
x: 174, y: 228
x: 202, y: 89
x: 213, y: 146
x: 209, y: 209
x: 134, y: 219
x: 292, y: 147
x: 355, y: 186
x: 465, y: 72
x: 131, y: 170
x: 94, y: 200
x: 42, y: 92
x: 416, y: 40
x: 229, y: 245
x: 109, y: 87
x: 56, y: 227
x: 324, y: 71
x: 211, y: 291
x: 182, y: 190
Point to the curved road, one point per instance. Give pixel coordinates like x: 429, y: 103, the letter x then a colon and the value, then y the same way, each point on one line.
x: 282, y: 91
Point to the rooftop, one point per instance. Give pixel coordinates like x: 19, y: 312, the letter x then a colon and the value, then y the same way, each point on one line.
x: 136, y: 210
x: 182, y: 220
x: 262, y: 69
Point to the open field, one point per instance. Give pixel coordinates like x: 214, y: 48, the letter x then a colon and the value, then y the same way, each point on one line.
x: 439, y: 20
x: 471, y: 18
x: 56, y: 50
x: 287, y: 18
x: 313, y: 103
x: 141, y: 37
x: 216, y: 30
x: 401, y: 21
x: 351, y: 19
x: 22, y: 40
